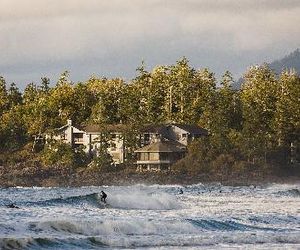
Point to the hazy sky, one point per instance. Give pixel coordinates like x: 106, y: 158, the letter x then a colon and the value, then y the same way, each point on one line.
x: 111, y: 37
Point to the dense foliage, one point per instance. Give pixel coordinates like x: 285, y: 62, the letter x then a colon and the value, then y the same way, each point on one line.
x: 253, y: 124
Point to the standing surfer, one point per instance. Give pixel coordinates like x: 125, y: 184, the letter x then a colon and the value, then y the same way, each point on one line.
x: 103, y: 196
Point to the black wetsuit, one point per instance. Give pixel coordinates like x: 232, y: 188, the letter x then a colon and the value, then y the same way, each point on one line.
x: 103, y: 196
x: 12, y: 206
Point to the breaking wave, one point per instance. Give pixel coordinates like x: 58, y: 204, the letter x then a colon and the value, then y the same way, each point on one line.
x: 228, y: 225
x: 114, y: 227
x: 50, y: 243
x: 143, y: 199
x: 294, y: 192
x: 92, y: 199
x: 126, y: 199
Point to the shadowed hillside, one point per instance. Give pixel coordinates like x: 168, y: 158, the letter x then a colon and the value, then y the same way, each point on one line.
x: 291, y: 61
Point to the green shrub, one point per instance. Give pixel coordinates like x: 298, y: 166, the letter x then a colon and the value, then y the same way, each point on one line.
x: 223, y: 164
x: 13, y: 157
x: 102, y: 161
x: 63, y: 154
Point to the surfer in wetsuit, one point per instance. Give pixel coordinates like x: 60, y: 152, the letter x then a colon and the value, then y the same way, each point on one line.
x: 103, y: 196
x: 12, y: 206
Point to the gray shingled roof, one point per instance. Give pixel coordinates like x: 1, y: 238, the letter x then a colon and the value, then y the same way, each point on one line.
x: 158, y: 129
x: 162, y: 146
x: 192, y: 129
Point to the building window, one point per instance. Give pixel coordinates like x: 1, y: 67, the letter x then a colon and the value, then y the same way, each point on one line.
x: 144, y: 156
x: 153, y: 156
x: 147, y: 137
x: 78, y: 137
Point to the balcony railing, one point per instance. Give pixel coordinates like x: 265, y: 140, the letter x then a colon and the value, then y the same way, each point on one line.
x: 153, y: 162
x: 78, y: 140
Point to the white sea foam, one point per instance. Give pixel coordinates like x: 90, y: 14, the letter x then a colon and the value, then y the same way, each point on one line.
x: 116, y: 227
x: 142, y: 198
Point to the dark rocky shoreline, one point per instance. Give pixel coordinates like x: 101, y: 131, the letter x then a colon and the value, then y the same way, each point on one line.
x: 27, y: 175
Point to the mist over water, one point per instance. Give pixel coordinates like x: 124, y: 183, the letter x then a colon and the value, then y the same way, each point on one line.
x: 151, y: 217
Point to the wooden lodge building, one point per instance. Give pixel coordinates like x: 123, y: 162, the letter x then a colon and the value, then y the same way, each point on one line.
x: 161, y: 145
x: 159, y: 155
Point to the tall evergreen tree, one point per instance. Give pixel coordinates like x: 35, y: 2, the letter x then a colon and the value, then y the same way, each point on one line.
x: 259, y: 106
x: 287, y: 116
x: 4, y: 101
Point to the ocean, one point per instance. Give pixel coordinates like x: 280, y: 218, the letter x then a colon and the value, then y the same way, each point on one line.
x: 204, y: 216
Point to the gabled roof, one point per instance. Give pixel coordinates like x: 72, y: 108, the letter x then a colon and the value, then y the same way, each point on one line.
x: 161, y: 129
x: 191, y: 128
x: 61, y: 128
x: 162, y: 146
x: 80, y: 129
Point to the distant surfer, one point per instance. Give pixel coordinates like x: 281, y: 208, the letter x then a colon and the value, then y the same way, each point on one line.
x: 12, y: 206
x: 103, y: 196
x: 180, y: 191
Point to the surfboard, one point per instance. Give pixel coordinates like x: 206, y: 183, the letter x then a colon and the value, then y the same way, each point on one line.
x: 105, y: 204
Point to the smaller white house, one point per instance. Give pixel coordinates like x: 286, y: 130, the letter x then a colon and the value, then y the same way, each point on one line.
x: 71, y: 135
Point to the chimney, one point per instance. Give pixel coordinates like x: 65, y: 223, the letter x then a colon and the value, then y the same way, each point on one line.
x: 69, y: 122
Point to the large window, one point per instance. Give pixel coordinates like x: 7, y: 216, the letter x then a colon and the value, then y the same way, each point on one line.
x: 148, y: 156
x: 78, y: 137
x: 154, y: 156
x: 146, y: 137
x: 144, y: 156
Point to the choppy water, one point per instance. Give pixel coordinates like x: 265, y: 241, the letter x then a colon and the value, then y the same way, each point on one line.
x: 152, y: 217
